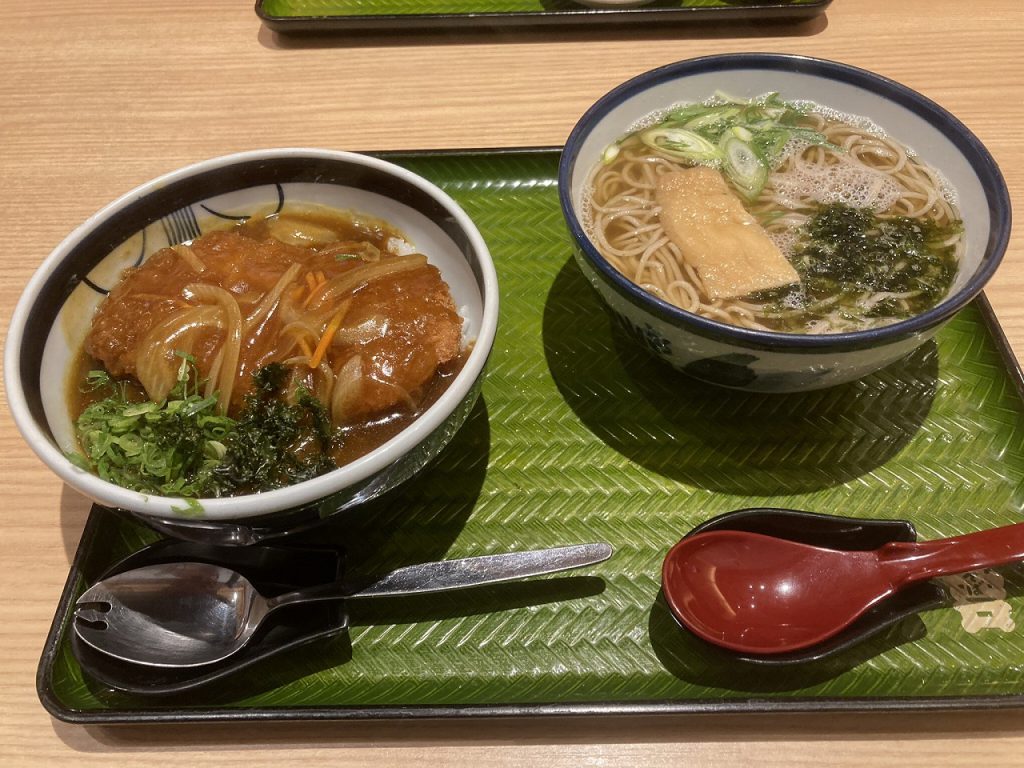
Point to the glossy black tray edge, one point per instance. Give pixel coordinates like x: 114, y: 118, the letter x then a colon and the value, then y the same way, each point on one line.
x: 581, y: 17
x: 738, y: 705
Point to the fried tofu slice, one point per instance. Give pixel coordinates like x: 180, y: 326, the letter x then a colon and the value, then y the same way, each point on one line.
x: 730, y: 251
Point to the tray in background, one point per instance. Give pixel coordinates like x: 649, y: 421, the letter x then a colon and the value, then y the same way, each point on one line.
x: 325, y: 16
x: 580, y: 436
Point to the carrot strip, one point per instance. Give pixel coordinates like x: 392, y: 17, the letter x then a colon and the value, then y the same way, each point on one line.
x: 329, y: 331
x: 315, y: 282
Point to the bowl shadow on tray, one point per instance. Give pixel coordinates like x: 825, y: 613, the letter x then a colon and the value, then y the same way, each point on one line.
x: 719, y: 439
x: 420, y: 519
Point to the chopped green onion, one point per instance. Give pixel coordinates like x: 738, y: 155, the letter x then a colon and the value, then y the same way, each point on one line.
x: 743, y: 167
x: 609, y: 154
x: 182, y: 447
x: 681, y: 143
x: 731, y: 134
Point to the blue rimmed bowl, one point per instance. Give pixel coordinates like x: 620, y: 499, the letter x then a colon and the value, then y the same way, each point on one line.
x: 51, y: 319
x: 764, y: 361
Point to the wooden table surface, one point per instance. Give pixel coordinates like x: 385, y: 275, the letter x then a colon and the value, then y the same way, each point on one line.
x: 96, y: 98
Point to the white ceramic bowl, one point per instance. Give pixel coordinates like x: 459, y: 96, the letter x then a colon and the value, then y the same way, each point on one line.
x: 51, y: 319
x: 778, y: 362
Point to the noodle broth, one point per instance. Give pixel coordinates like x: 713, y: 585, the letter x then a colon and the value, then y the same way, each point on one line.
x: 873, y: 232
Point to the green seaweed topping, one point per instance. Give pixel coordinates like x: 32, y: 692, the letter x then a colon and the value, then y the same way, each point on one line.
x: 275, y: 443
x: 880, y: 268
x: 182, y: 448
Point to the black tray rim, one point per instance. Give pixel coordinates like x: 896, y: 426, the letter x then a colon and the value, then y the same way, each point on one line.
x: 731, y: 705
x: 765, y: 10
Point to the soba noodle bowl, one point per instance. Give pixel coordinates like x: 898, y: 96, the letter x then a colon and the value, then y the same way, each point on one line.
x: 828, y: 165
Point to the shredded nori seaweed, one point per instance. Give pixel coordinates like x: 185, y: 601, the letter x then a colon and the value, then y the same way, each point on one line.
x: 182, y: 447
x: 274, y: 443
x: 851, y: 252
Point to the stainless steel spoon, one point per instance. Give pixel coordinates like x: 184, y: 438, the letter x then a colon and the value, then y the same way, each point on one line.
x: 190, y: 614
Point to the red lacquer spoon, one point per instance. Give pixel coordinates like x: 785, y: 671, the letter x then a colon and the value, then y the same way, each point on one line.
x: 759, y: 594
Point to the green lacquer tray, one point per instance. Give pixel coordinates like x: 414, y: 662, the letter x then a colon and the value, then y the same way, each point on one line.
x: 581, y: 437
x: 319, y: 16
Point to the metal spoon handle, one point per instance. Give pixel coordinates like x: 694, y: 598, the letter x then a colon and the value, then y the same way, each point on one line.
x: 456, y: 574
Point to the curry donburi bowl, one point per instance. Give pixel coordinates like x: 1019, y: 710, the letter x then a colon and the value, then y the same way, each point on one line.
x: 52, y: 317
